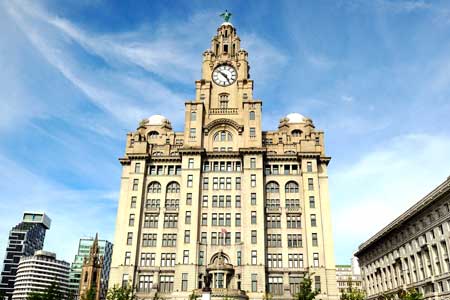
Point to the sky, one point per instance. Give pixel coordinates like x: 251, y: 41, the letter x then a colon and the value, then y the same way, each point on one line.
x: 76, y: 76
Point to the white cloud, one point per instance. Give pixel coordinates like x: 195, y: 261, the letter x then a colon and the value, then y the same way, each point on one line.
x: 319, y: 61
x: 378, y: 187
x: 347, y: 99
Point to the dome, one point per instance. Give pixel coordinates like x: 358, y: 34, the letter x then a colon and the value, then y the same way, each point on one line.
x: 226, y: 23
x: 156, y: 120
x: 296, y: 118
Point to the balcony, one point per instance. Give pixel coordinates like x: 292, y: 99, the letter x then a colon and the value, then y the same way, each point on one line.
x: 293, y: 209
x: 152, y: 209
x: 223, y: 111
x: 273, y: 209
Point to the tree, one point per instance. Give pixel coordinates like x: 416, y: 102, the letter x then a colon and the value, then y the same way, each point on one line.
x: 411, y: 294
x: 306, y: 292
x: 51, y: 293
x: 121, y: 293
x: 353, y: 293
x: 90, y: 294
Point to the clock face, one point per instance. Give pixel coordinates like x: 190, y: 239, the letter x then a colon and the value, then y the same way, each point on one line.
x: 224, y: 75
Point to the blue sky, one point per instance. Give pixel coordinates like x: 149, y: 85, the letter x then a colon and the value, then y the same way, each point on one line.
x: 77, y: 75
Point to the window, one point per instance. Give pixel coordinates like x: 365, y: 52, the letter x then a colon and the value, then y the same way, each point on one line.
x: 193, y: 116
x: 173, y: 188
x: 274, y: 240
x: 252, y: 163
x: 274, y: 260
x: 167, y: 259
x: 189, y: 199
x: 295, y: 261
x: 187, y: 236
x: 312, y: 202
x: 253, y: 217
x: 313, y: 220
x: 127, y: 258
x: 254, y: 239
x: 272, y: 187
x: 131, y: 220
x: 190, y: 163
x: 310, y: 184
x: 204, y: 219
x: 201, y: 258
x: 316, y: 259
x: 125, y: 279
x: 273, y: 221
x: 150, y: 221
x: 293, y: 203
x: 238, y: 183
x: 276, y: 285
x: 192, y: 133
x: 205, y: 201
x: 186, y: 257
x: 239, y: 257
x: 254, y: 257
x: 237, y: 220
x: 295, y: 241
x: 238, y: 201
x: 129, y: 238
x: 133, y: 202
x: 169, y: 240
x: 204, y: 238
x: 237, y: 237
x: 317, y: 283
x: 148, y: 259
x: 252, y: 115
x: 187, y: 218
x: 149, y: 240
x: 223, y: 98
x: 252, y: 132
x: 137, y: 168
x: 253, y: 198
x: 309, y: 166
x: 170, y: 220
x: 254, y: 282
x: 190, y: 180
x: 314, y: 239
x: 291, y: 187
x: 253, y: 180
x: 135, y: 184
x: 294, y: 221
x: 205, y: 183
x: 166, y: 283
x: 296, y: 133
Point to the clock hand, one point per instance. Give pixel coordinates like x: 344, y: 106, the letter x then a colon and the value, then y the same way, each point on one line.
x: 225, y: 75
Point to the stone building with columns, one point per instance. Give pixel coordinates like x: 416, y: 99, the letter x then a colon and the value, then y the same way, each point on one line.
x: 412, y: 251
x: 223, y: 197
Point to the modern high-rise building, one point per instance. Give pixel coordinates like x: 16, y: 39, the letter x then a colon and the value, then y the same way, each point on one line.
x: 412, y: 252
x: 24, y: 239
x: 222, y: 197
x: 105, y: 249
x: 38, y: 272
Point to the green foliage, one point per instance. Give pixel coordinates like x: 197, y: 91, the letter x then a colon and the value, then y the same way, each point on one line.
x: 89, y: 295
x: 52, y: 293
x: 121, y: 293
x: 306, y: 291
x: 411, y: 294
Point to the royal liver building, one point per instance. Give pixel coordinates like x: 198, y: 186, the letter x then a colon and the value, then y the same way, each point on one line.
x: 248, y: 207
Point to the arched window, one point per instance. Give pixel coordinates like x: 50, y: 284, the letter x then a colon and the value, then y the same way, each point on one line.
x: 252, y: 115
x: 223, y: 100
x: 291, y: 187
x: 272, y: 187
x: 296, y: 133
x: 173, y: 187
x: 153, y: 134
x: 157, y: 153
x: 223, y: 136
x: 154, y: 187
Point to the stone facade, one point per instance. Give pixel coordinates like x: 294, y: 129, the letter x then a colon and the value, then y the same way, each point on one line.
x: 412, y: 251
x: 347, y: 277
x: 250, y: 207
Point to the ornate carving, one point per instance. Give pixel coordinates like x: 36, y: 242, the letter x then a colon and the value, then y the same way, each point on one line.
x: 219, y: 122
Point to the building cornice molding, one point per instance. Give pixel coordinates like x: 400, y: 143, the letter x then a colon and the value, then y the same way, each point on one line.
x: 414, y: 210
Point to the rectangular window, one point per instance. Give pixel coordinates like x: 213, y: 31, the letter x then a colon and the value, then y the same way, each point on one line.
x: 187, y: 219
x: 189, y: 199
x: 239, y: 258
x: 184, y: 282
x: 254, y: 257
x: 204, y: 238
x: 166, y: 283
x: 275, y: 285
x: 149, y: 240
x: 317, y: 283
x: 125, y: 280
x: 131, y: 220
x: 314, y: 239
x: 129, y: 238
x: 313, y: 220
x: 186, y: 257
x: 190, y: 180
x: 192, y: 133
x: 170, y: 220
x: 237, y: 201
x: 237, y: 220
x: 254, y: 238
x: 205, y: 201
x: 253, y: 180
x: 205, y: 183
x: 215, y: 183
x: 204, y: 219
x: 252, y: 132
x: 254, y: 282
x: 293, y: 221
x: 169, y: 240
x: 190, y: 163
x: 253, y: 199
x: 135, y: 184
x: 133, y: 202
x: 252, y: 163
x: 187, y: 236
x: 274, y: 221
x: 238, y: 183
x: 295, y: 241
x: 253, y: 217
x: 274, y: 240
x: 310, y: 184
x: 137, y: 168
x: 316, y: 259
x: 193, y: 116
x: 201, y: 258
x: 127, y: 258
x: 309, y: 166
x: 237, y: 237
x: 312, y: 202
